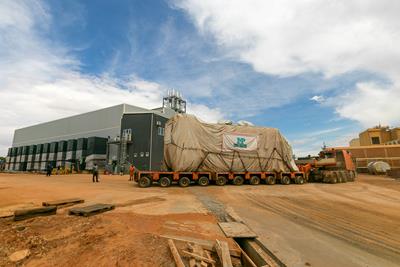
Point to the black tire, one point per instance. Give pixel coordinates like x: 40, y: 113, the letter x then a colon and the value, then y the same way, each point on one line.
x: 144, y: 181
x: 345, y: 176
x: 184, y: 182
x: 221, y: 180
x: 352, y: 176
x: 255, y: 180
x: 203, y: 181
x: 165, y: 182
x: 342, y: 176
x: 270, y: 180
x: 299, y: 179
x: 238, y: 180
x: 334, y: 178
x: 285, y: 180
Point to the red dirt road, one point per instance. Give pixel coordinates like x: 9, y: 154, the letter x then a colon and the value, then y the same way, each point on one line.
x: 350, y: 224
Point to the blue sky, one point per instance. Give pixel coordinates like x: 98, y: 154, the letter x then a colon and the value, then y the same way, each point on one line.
x: 309, y: 69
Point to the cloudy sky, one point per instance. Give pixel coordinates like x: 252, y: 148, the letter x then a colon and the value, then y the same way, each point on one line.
x: 320, y: 71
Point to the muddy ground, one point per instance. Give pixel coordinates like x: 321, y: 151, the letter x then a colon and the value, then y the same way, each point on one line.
x: 351, y: 224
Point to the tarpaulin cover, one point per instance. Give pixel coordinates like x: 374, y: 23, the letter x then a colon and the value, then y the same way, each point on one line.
x: 192, y: 145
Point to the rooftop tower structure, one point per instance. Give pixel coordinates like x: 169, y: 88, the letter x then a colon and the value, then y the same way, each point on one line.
x: 174, y: 100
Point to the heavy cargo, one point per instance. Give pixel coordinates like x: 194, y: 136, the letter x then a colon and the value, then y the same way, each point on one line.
x: 191, y: 145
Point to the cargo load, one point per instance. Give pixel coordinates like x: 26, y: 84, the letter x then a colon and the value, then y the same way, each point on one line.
x: 191, y: 145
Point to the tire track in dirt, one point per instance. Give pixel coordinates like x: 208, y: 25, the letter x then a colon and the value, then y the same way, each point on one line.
x: 332, y: 221
x: 371, y: 190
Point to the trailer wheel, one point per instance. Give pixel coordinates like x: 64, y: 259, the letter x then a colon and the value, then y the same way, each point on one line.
x: 144, y: 181
x: 299, y: 179
x: 334, y: 178
x: 271, y: 180
x: 221, y: 180
x: 345, y: 176
x: 341, y: 177
x: 165, y: 181
x: 203, y: 181
x: 351, y: 175
x: 254, y: 180
x: 184, y: 182
x: 238, y: 180
x: 285, y: 180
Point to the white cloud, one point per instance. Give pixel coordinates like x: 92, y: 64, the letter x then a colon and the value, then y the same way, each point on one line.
x: 41, y: 81
x: 318, y: 98
x: 284, y: 38
x: 205, y: 113
x: 311, y: 144
x: 371, y: 104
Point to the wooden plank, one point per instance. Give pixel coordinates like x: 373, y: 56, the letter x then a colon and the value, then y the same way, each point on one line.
x: 175, y: 254
x: 91, y: 210
x: 34, y: 212
x: 63, y: 202
x: 208, y: 255
x: 198, y: 257
x: 223, y: 253
x: 206, y: 244
x: 197, y: 249
x: 236, y: 229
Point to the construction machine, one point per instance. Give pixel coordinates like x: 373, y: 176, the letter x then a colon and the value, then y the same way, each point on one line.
x: 330, y: 166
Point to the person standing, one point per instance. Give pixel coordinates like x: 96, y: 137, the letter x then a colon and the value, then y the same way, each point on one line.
x: 131, y: 172
x: 122, y: 170
x: 95, y: 171
x: 48, y: 169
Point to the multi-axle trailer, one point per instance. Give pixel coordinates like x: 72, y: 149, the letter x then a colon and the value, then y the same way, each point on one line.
x: 184, y: 179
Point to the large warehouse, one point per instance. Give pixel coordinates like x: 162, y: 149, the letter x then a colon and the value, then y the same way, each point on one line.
x: 111, y: 137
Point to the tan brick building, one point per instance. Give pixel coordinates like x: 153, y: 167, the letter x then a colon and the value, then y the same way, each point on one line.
x: 376, y: 144
x: 377, y: 136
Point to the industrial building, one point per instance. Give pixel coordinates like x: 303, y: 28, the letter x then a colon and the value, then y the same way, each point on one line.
x: 376, y: 144
x: 379, y: 135
x: 111, y: 137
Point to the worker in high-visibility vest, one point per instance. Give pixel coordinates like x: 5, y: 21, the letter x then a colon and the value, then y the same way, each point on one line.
x: 131, y: 172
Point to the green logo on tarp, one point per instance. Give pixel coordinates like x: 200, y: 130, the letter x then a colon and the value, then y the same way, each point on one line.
x: 240, y: 142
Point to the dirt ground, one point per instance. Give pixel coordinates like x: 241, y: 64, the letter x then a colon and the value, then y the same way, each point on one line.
x: 130, y: 235
x: 350, y: 224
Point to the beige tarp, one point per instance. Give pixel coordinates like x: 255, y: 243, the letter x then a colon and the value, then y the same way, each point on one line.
x: 191, y: 145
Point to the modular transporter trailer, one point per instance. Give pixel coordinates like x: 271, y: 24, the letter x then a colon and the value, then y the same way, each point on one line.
x: 184, y: 179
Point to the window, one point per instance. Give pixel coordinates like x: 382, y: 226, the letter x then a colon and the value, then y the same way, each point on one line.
x: 160, y: 131
x: 127, y: 134
x: 375, y: 140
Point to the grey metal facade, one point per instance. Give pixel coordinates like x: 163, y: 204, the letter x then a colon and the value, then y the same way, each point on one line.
x: 65, y: 142
x: 145, y: 149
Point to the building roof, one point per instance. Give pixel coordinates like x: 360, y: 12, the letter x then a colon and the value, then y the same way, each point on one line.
x: 103, y: 123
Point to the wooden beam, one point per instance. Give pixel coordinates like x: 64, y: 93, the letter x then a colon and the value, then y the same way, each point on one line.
x: 175, y: 254
x: 236, y: 229
x: 223, y: 253
x: 198, y: 257
x: 63, y: 202
x: 34, y: 212
x: 208, y: 254
x: 206, y: 244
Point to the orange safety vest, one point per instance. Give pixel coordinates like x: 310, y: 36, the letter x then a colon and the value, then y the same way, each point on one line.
x: 131, y: 170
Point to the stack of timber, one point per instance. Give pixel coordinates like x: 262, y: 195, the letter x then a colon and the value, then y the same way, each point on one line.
x: 198, y: 255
